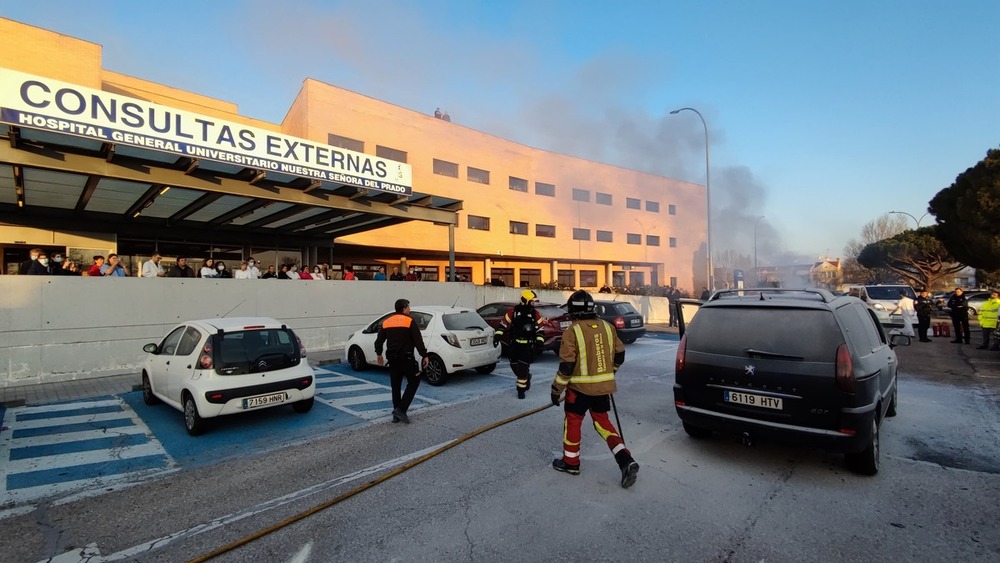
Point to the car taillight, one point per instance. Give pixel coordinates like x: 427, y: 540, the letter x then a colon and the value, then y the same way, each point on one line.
x: 844, y: 369
x: 205, y: 360
x: 681, y: 351
x: 619, y: 322
x: 302, y: 349
x: 451, y: 339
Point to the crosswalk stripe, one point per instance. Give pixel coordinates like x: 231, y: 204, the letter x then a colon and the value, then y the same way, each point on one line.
x: 70, y: 421
x: 68, y: 406
x: 55, y: 439
x: 80, y: 458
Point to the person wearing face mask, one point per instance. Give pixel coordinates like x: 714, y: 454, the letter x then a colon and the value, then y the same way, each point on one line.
x: 40, y: 267
x: 317, y: 273
x: 222, y: 271
x: 293, y: 272
x: 253, y: 269
x: 56, y: 265
x: 22, y: 269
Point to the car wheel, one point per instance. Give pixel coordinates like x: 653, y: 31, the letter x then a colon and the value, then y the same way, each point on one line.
x: 893, y: 400
x: 435, y: 372
x: 972, y: 311
x: 486, y: 369
x: 628, y: 340
x: 303, y: 406
x: 147, y: 391
x: 356, y: 358
x: 697, y: 432
x: 193, y: 422
x: 866, y: 461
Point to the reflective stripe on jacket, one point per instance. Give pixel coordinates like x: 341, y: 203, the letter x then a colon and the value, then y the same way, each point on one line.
x: 591, y: 344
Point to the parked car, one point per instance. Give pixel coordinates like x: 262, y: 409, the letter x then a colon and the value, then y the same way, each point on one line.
x: 456, y: 338
x: 883, y: 299
x: 215, y: 367
x: 554, y: 321
x: 802, y: 366
x: 622, y: 315
x: 975, y: 298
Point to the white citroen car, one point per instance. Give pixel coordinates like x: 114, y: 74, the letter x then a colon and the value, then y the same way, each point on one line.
x: 456, y: 338
x: 215, y: 367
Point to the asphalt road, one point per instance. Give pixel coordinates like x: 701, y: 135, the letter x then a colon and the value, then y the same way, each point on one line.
x: 494, y: 497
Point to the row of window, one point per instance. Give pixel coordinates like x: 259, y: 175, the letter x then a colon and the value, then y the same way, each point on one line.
x: 478, y: 223
x: 480, y: 176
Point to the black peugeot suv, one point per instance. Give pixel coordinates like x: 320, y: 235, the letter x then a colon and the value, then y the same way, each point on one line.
x: 795, y: 365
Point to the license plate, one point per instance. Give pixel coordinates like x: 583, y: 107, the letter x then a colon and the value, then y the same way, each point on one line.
x: 565, y: 324
x: 478, y: 341
x: 636, y: 322
x: 753, y: 400
x: 264, y: 400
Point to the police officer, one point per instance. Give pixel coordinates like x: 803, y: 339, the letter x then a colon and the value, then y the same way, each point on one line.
x: 520, y: 324
x: 401, y: 335
x: 925, y: 308
x: 590, y: 354
x: 959, y: 306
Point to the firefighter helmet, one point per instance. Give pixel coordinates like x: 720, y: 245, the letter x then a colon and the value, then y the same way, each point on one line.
x: 580, y: 304
x: 527, y: 296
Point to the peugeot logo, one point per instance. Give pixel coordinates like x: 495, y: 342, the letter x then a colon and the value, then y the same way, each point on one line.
x: 749, y: 369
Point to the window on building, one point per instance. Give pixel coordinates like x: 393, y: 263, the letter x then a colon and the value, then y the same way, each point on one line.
x: 637, y: 278
x: 530, y: 277
x: 390, y: 153
x: 345, y: 143
x: 445, y: 168
x: 653, y: 206
x: 588, y: 278
x: 462, y: 273
x: 652, y: 240
x: 603, y: 199
x: 478, y: 175
x: 673, y: 242
x: 426, y: 273
x: 604, y: 236
x: 581, y: 195
x: 633, y: 203
x: 673, y: 281
x: 545, y: 189
x: 581, y: 234
x: 518, y: 184
x: 518, y: 228
x: 633, y: 238
x: 671, y: 209
x: 567, y: 278
x: 505, y: 274
x: 547, y: 231
x: 479, y: 223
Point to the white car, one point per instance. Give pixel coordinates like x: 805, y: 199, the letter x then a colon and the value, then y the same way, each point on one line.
x: 456, y: 338
x: 883, y: 299
x: 215, y: 367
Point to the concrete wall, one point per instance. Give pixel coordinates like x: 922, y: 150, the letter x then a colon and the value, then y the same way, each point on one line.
x: 66, y: 328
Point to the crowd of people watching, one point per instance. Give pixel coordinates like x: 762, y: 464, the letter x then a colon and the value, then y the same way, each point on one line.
x: 249, y: 269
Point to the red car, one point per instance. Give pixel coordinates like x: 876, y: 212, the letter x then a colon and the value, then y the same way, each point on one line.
x: 554, y: 321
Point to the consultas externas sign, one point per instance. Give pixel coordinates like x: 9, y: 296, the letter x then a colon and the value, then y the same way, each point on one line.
x: 42, y: 103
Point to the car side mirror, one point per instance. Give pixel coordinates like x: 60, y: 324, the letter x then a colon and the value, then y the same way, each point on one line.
x: 898, y: 338
x: 150, y: 348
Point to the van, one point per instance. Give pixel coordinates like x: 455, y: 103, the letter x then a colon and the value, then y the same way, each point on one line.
x: 883, y: 300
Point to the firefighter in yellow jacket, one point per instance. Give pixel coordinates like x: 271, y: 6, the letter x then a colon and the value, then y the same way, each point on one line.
x: 589, y: 356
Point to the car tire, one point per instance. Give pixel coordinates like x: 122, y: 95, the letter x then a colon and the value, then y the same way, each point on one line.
x: 972, y: 312
x: 486, y: 369
x: 628, y: 340
x: 357, y: 359
x: 435, y: 372
x: 147, y: 391
x: 303, y: 406
x: 697, y: 432
x: 866, y: 462
x: 893, y: 400
x: 193, y: 422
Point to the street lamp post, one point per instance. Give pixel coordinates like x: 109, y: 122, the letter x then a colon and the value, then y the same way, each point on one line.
x: 708, y: 194
x: 756, y: 273
x: 915, y: 220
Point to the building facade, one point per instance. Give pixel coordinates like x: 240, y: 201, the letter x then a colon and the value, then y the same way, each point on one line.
x: 496, y: 209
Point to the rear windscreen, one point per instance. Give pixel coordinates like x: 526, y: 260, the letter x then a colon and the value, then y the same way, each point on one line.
x: 469, y: 320
x: 252, y: 351
x: 812, y: 334
x: 624, y: 308
x: 550, y: 312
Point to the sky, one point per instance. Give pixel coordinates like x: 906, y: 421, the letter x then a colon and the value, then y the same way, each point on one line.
x: 822, y: 115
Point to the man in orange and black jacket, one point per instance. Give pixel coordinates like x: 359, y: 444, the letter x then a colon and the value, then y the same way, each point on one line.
x: 401, y: 335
